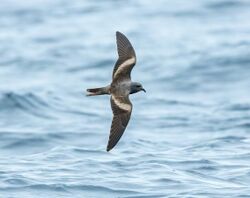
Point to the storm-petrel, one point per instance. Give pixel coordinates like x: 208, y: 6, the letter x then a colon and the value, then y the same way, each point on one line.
x: 119, y: 89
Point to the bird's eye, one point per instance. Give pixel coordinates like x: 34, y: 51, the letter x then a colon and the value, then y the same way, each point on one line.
x: 138, y: 86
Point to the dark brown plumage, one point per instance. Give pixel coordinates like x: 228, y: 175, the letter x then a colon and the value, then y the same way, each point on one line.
x: 119, y: 89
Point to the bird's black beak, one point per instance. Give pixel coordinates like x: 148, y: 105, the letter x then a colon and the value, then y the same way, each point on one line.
x: 143, y: 90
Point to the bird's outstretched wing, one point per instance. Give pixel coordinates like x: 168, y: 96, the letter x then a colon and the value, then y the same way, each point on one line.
x: 122, y: 108
x: 126, y: 60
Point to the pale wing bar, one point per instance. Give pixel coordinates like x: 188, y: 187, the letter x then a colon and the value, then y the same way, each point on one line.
x: 122, y: 109
x: 127, y: 57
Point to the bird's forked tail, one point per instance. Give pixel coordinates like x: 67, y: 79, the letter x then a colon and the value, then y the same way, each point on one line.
x: 98, y: 91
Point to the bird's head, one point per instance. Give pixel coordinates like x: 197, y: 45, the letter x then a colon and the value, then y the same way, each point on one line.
x: 136, y: 87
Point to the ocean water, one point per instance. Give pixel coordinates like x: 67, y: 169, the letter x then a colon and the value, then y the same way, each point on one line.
x: 189, y: 135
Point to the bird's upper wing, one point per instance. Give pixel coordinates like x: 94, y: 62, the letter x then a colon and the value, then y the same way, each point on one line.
x: 126, y: 60
x: 122, y: 108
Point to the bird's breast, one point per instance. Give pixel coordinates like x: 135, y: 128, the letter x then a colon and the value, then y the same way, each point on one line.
x: 122, y: 88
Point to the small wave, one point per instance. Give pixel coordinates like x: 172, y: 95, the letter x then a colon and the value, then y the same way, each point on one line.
x: 230, y: 139
x: 212, y: 180
x: 217, y: 142
x: 243, y: 126
x: 240, y: 107
x: 167, y: 181
x: 51, y: 187
x: 27, y: 142
x: 100, y: 188
x: 219, y: 5
x: 29, y: 103
x: 16, y: 182
x: 146, y: 196
x: 69, y: 188
x: 88, y: 151
x: 174, y: 102
x: 98, y: 65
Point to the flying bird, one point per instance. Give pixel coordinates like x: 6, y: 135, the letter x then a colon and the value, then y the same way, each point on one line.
x: 119, y: 89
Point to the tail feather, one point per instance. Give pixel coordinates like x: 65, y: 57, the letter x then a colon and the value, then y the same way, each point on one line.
x: 97, y: 91
x: 93, y: 90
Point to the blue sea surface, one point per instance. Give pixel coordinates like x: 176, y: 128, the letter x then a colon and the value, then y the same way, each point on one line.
x: 189, y: 135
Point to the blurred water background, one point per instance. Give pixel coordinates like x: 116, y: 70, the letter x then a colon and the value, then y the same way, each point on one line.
x: 189, y: 135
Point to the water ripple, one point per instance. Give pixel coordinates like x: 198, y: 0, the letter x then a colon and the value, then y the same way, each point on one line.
x: 188, y: 135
